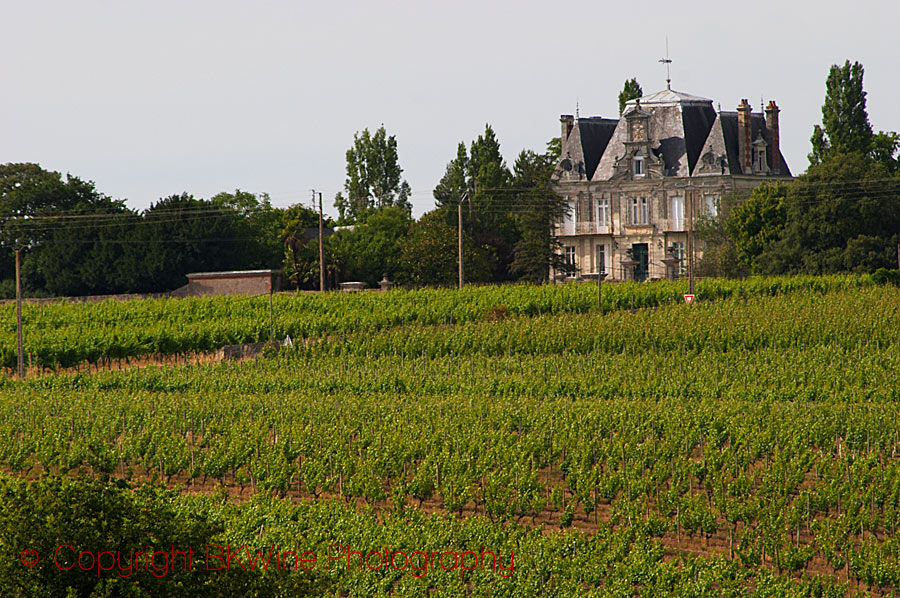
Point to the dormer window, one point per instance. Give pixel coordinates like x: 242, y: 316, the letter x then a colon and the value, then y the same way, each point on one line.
x: 760, y: 163
x: 761, y: 159
x: 638, y: 163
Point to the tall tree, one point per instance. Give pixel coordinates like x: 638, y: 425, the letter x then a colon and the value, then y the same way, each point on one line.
x: 845, y: 123
x: 456, y: 180
x: 74, y: 234
x: 538, y: 251
x: 373, y: 177
x: 632, y: 90
x: 482, y: 178
x: 492, y: 219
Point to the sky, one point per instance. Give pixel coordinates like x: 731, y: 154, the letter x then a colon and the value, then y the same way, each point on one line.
x: 150, y: 99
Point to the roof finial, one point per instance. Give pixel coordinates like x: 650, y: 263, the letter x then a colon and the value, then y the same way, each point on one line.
x: 667, y: 62
x: 576, y: 109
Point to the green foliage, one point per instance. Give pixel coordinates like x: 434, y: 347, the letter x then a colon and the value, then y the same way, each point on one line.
x: 57, y: 221
x: 180, y: 234
x: 481, y: 178
x: 80, y: 242
x: 368, y: 251
x: 841, y: 215
x: 373, y: 177
x: 632, y: 90
x: 455, y: 184
x: 57, y: 334
x: 762, y: 418
x: 884, y: 150
x: 886, y: 276
x: 301, y: 246
x: 429, y: 254
x: 757, y: 222
x: 263, y: 222
x: 845, y: 123
x: 538, y: 250
x: 62, y: 518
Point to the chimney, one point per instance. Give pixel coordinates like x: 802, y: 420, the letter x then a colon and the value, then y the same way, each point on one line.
x: 772, y: 111
x: 568, y: 122
x: 745, y: 147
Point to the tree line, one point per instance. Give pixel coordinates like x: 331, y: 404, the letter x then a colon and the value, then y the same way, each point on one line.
x: 76, y: 241
x: 841, y: 215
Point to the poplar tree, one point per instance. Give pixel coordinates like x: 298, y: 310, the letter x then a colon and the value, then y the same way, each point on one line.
x: 845, y: 123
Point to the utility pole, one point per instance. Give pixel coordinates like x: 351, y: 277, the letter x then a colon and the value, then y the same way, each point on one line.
x: 271, y: 315
x: 321, y: 249
x: 459, y: 220
x: 20, y: 349
x: 600, y: 277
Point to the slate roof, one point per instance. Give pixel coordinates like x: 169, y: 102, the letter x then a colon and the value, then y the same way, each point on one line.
x: 729, y: 122
x: 683, y: 128
x: 595, y: 135
x: 670, y: 96
x: 584, y: 147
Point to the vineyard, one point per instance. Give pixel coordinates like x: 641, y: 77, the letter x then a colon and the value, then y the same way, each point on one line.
x: 747, y: 445
x: 63, y: 335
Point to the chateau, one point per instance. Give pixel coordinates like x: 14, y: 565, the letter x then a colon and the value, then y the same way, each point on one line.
x: 631, y: 183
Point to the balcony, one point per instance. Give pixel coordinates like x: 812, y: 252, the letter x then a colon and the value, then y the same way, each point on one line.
x: 591, y: 228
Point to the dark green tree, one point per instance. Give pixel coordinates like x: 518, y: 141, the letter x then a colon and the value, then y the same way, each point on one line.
x: 757, y: 222
x: 538, y: 250
x: 300, y: 237
x: 456, y: 183
x: 180, y: 234
x: 841, y: 215
x: 884, y: 150
x: 632, y: 90
x: 109, y: 516
x: 265, y: 225
x: 429, y: 255
x: 368, y: 250
x: 72, y: 233
x: 373, y: 177
x: 845, y: 123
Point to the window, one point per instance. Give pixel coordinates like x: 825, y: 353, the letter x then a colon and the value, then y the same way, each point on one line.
x: 603, y: 212
x: 712, y: 206
x: 585, y: 210
x: 639, y: 211
x: 761, y: 160
x: 676, y: 214
x: 570, y: 256
x: 639, y: 163
x: 678, y: 251
x: 601, y: 258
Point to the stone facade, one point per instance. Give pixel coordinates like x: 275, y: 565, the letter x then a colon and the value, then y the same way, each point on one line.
x: 633, y: 182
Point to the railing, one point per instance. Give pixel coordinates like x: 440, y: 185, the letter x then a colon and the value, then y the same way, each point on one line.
x: 587, y: 228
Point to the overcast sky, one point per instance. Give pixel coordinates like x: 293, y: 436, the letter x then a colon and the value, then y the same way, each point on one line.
x: 149, y: 99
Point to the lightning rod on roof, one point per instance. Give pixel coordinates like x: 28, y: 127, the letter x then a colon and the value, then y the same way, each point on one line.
x: 666, y: 61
